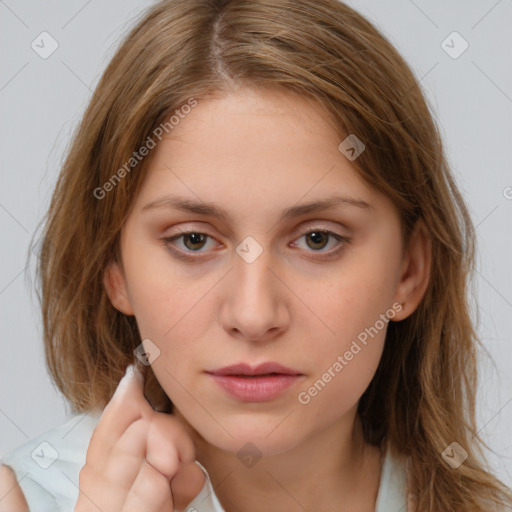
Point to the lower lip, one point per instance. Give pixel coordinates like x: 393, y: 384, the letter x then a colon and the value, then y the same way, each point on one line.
x: 255, y: 389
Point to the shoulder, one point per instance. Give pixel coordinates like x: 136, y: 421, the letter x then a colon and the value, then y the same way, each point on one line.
x: 47, y: 467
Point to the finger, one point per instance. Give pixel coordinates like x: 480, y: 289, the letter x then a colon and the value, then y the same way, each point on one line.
x: 168, y: 444
x: 127, y: 455
x: 161, y: 440
x: 96, y: 492
x: 149, y: 493
x: 187, y: 484
x: 126, y: 406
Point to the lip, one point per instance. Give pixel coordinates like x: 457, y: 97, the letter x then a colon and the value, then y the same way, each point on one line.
x: 259, y: 383
x: 261, y: 369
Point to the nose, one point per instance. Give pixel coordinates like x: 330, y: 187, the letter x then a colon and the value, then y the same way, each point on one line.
x: 256, y: 304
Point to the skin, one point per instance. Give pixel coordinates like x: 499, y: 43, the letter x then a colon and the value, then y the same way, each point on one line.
x: 255, y: 153
x: 11, y: 495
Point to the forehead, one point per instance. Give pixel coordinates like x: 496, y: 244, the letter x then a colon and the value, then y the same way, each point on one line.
x: 252, y: 125
x: 252, y: 147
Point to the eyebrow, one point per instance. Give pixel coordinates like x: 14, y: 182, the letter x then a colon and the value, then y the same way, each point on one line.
x: 213, y: 210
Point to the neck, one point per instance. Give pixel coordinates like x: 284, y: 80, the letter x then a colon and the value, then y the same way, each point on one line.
x: 334, y: 469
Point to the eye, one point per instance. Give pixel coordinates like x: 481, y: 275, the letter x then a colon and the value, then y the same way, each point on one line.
x: 318, y: 239
x: 192, y: 240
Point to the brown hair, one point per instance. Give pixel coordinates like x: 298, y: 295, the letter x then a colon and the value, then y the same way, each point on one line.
x: 423, y: 395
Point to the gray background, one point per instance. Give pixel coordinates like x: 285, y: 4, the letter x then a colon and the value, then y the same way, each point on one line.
x: 41, y: 101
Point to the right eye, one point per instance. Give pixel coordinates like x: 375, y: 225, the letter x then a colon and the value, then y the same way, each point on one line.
x: 192, y: 241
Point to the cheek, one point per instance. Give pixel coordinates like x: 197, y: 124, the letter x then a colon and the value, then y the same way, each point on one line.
x: 342, y: 376
x: 176, y: 321
x: 162, y: 295
x: 177, y: 315
x: 351, y: 299
x: 355, y: 308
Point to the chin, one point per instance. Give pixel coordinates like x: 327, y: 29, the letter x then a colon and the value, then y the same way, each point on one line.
x: 261, y: 435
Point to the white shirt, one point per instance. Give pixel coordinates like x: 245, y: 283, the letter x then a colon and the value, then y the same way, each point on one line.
x: 47, y: 468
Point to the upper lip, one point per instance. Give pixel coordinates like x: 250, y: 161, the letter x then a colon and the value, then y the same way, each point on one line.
x: 261, y: 369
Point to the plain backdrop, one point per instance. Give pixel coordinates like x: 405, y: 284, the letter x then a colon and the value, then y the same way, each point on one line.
x: 42, y: 100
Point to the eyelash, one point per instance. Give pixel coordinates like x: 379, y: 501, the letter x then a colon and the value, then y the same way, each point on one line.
x: 168, y: 242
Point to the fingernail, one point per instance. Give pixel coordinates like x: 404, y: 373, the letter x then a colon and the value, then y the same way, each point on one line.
x: 128, y: 373
x: 131, y: 372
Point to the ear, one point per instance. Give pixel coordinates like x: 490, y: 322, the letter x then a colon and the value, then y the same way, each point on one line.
x: 414, y: 272
x: 115, y: 285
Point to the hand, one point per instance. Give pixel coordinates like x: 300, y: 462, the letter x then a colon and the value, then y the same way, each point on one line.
x: 138, y: 460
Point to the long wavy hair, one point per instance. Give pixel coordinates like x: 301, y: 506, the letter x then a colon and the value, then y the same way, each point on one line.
x: 422, y: 397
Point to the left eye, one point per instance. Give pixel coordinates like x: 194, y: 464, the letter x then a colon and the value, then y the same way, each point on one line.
x: 320, y: 238
x: 317, y: 239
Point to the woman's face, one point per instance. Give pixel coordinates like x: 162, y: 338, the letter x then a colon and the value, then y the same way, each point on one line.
x: 253, y: 286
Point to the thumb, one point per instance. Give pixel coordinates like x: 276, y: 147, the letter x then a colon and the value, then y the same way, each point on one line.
x: 187, y: 484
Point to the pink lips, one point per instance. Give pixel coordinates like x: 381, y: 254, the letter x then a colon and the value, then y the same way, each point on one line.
x: 255, y: 384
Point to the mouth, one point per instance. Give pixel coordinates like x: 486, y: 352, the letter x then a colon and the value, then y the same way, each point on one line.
x: 260, y: 383
x: 246, y: 370
x: 241, y: 375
